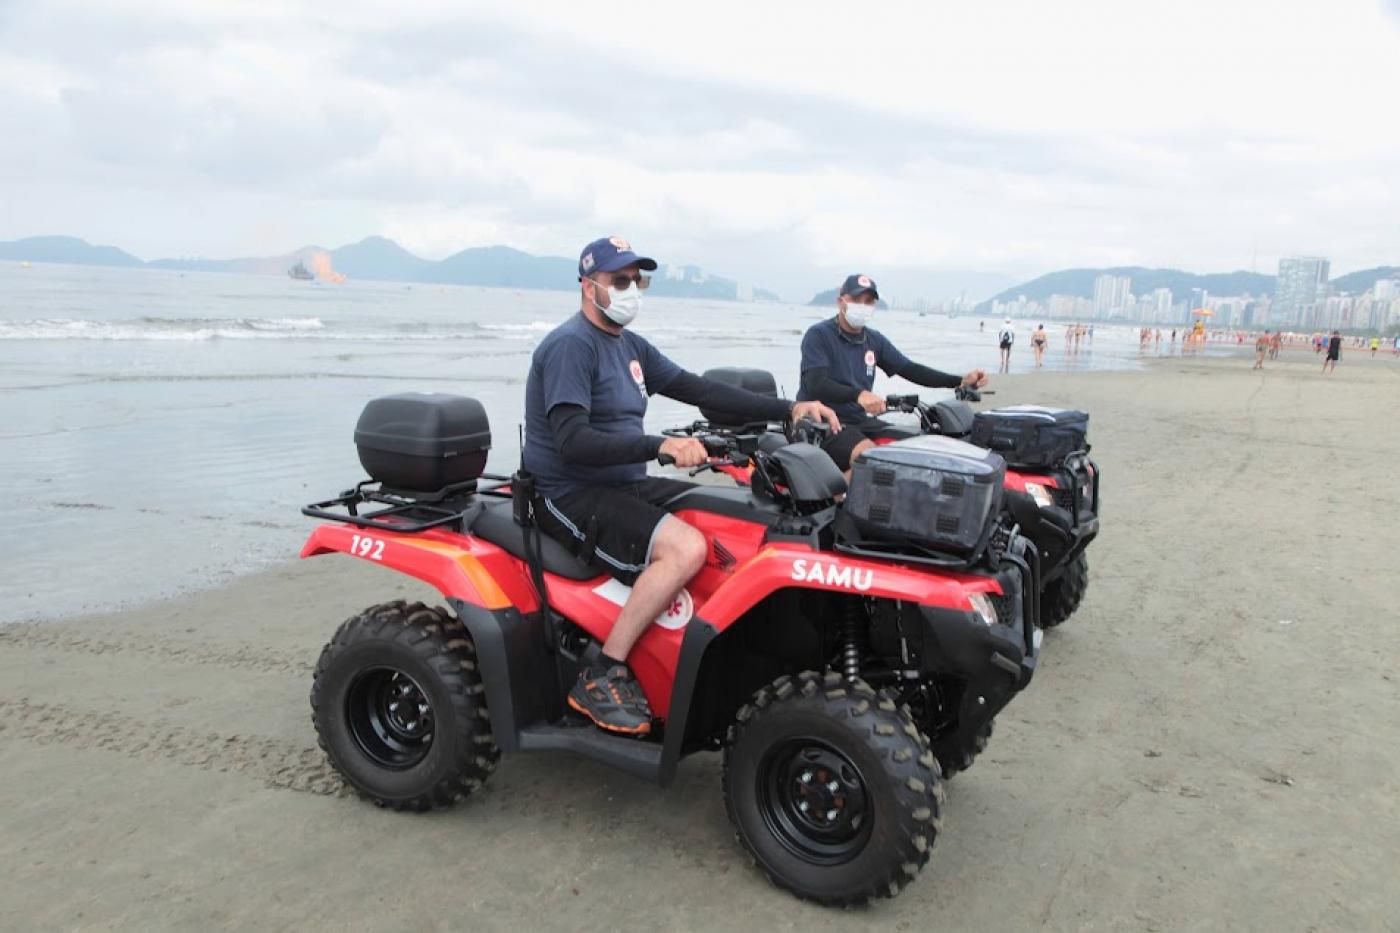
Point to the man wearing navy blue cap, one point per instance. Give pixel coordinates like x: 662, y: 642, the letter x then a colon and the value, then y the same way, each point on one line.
x: 839, y: 358
x: 585, y: 400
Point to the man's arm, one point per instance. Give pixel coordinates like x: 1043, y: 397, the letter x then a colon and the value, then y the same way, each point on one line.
x: 706, y: 393
x: 897, y: 364
x: 817, y: 382
x: 582, y: 444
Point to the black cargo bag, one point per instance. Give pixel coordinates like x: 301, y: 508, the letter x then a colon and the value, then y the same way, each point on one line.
x: 1029, y: 436
x: 423, y: 442
x: 934, y: 493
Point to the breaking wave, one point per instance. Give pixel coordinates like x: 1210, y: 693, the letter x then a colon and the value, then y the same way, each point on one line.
x: 252, y: 328
x: 159, y: 328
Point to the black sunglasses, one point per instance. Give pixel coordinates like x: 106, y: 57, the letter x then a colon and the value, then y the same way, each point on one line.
x: 621, y: 281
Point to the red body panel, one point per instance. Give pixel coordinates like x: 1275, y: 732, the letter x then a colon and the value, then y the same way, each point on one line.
x: 740, y: 572
x: 1018, y: 481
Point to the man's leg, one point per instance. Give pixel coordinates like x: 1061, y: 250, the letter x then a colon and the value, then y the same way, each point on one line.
x: 845, y: 447
x: 677, y: 554
x: 642, y: 546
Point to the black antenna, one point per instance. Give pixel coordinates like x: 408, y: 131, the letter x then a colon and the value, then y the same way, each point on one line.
x: 520, y: 433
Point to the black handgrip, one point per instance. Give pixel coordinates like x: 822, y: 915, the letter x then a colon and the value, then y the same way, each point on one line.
x: 902, y: 401
x: 665, y: 459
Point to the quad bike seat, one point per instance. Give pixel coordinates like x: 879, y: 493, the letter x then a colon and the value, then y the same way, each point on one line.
x: 496, y: 523
x: 725, y: 500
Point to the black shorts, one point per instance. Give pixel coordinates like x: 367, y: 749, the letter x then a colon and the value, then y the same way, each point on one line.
x: 1006, y: 344
x: 1333, y: 356
x: 841, y: 445
x: 613, y: 525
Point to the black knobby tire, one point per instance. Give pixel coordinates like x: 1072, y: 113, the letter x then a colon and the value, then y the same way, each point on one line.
x: 1062, y: 598
x: 843, y: 739
x: 399, y: 707
x: 956, y: 752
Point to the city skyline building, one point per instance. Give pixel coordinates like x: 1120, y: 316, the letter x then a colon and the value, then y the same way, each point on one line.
x: 1111, y: 293
x: 1300, y: 290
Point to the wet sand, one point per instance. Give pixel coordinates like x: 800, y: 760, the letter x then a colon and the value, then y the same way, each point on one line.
x: 1212, y: 742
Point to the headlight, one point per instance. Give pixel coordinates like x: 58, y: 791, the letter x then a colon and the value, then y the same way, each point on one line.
x: 983, y: 604
x: 1040, y: 494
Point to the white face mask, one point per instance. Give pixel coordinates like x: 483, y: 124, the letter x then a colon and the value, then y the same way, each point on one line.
x: 623, y: 305
x: 858, y: 315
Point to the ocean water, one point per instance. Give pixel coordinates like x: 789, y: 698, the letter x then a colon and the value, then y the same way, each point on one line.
x: 161, y: 430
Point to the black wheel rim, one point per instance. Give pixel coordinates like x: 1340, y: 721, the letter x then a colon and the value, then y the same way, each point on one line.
x: 814, y: 801
x: 390, y: 717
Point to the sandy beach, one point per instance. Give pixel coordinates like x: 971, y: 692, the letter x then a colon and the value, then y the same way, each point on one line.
x: 1212, y: 742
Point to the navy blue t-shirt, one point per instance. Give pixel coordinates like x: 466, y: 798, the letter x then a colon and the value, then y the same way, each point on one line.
x: 609, y: 376
x: 848, y: 358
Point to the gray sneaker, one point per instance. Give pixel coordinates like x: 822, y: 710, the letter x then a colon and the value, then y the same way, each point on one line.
x: 613, y: 699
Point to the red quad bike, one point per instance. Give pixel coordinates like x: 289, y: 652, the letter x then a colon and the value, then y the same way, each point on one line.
x: 842, y: 666
x: 1052, y: 484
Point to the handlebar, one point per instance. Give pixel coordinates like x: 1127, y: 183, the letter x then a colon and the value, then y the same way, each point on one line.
x: 902, y: 402
x: 722, y: 446
x: 969, y: 394
x: 807, y: 431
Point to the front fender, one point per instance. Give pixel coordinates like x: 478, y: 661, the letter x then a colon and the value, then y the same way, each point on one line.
x: 452, y: 567
x: 786, y: 566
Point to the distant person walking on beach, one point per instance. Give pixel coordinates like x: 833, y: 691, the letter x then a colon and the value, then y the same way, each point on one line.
x: 1261, y: 350
x: 1157, y: 340
x: 1375, y: 345
x: 1038, y: 341
x: 1334, y: 352
x: 981, y: 326
x: 1005, y: 338
x: 1275, y: 342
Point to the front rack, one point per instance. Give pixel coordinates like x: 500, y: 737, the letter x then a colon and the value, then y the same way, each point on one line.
x: 405, y: 512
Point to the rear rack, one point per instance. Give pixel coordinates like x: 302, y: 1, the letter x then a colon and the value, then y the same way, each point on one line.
x: 405, y: 512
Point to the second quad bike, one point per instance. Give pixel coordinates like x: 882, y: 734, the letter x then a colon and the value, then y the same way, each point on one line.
x: 841, y: 679
x: 1053, y: 493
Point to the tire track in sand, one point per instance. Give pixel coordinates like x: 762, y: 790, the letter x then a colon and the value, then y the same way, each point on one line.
x: 278, y: 764
x: 157, y: 648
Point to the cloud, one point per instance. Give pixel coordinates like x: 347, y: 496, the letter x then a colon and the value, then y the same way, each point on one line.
x: 776, y: 142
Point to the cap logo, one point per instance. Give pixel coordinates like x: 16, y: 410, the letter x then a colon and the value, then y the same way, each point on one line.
x: 621, y: 244
x: 864, y: 281
x: 587, y: 261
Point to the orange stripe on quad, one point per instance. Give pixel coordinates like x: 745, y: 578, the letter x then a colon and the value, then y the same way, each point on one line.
x: 492, y: 596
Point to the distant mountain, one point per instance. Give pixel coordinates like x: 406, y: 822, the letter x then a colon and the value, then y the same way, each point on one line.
x: 827, y: 299
x: 1354, y: 283
x: 379, y: 259
x: 1080, y: 282
x: 503, y: 267
x: 65, y: 249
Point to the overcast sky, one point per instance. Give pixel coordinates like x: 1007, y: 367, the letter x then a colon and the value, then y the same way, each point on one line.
x: 783, y: 143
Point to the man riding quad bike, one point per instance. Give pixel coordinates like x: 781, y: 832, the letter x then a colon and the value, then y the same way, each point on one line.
x: 834, y: 653
x: 837, y: 649
x: 1052, y: 486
